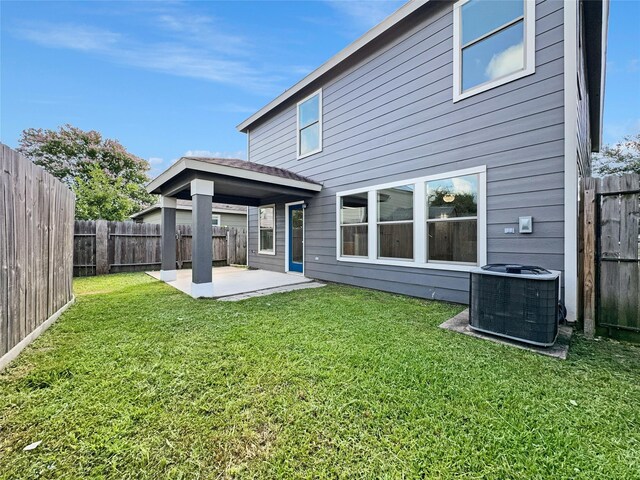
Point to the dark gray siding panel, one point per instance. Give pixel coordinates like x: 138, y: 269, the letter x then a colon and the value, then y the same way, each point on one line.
x: 390, y: 116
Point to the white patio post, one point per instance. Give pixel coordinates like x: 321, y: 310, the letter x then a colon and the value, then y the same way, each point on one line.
x: 168, y: 239
x: 202, y: 249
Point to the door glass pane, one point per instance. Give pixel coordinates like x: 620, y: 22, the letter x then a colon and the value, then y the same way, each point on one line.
x: 310, y: 138
x: 355, y: 240
x: 395, y: 240
x: 496, y: 56
x: 354, y: 208
x: 309, y: 111
x: 453, y: 241
x: 296, y: 235
x: 480, y: 17
x: 453, y: 197
x: 395, y: 204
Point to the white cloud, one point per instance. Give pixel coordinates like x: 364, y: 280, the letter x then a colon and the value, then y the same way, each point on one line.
x: 506, y: 62
x: 185, y: 45
x: 74, y: 37
x: 366, y: 14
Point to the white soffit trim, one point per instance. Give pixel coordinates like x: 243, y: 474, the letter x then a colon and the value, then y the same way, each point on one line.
x: 341, y: 56
x: 201, y: 187
x: 168, y: 202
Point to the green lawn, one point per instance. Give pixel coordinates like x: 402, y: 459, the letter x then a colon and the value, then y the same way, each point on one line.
x: 138, y: 380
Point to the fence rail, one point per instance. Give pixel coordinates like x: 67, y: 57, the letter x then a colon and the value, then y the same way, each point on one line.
x: 102, y: 247
x: 36, y: 254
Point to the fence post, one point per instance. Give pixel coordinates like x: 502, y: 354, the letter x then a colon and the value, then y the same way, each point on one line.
x: 102, y: 235
x: 231, y: 246
x: 589, y: 235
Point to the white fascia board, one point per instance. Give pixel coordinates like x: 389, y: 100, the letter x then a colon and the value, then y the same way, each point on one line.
x: 603, y: 64
x: 190, y: 163
x: 250, y: 175
x: 341, y: 56
x: 169, y: 173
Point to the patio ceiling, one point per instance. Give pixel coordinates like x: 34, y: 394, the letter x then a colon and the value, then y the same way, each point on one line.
x: 236, y: 182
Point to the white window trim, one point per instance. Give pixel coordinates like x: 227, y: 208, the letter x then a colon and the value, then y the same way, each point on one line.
x: 412, y: 222
x: 419, y: 222
x: 287, y: 233
x: 318, y: 150
x: 340, y: 225
x: 267, y: 252
x: 529, y: 56
x: 216, y: 217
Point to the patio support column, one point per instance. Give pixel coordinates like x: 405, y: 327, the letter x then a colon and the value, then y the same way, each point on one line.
x: 201, y: 247
x: 168, y: 240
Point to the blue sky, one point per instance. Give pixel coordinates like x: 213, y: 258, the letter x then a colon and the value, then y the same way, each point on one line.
x: 173, y: 77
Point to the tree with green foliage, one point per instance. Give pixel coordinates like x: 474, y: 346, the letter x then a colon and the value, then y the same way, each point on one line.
x: 623, y: 157
x: 109, y: 182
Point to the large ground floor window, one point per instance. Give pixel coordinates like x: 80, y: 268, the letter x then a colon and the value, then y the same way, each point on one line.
x: 432, y: 222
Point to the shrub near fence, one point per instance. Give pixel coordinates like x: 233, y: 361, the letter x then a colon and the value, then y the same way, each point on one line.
x: 102, y: 247
x: 36, y: 250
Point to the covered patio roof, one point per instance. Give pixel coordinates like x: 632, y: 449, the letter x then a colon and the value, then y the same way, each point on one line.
x: 237, y: 182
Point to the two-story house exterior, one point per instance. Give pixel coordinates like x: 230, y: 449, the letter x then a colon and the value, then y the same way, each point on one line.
x: 449, y: 136
x: 431, y: 136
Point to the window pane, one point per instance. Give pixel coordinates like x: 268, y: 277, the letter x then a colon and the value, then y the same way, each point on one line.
x: 354, y: 208
x: 310, y: 139
x: 266, y: 217
x: 496, y: 56
x: 395, y: 240
x: 395, y: 204
x: 309, y: 112
x: 453, y: 197
x: 453, y: 241
x: 355, y: 240
x: 266, y: 240
x: 481, y: 17
x: 297, y: 232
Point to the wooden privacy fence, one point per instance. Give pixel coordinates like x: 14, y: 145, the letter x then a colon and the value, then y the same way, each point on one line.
x: 611, y: 255
x: 36, y: 250
x: 102, y: 247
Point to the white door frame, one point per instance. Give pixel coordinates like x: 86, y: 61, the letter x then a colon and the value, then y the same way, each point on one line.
x: 286, y: 236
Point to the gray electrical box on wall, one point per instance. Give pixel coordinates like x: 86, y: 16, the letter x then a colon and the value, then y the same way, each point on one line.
x: 525, y: 225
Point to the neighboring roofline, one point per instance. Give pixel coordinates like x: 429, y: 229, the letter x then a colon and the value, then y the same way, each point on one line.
x: 186, y: 163
x: 155, y: 207
x: 337, y: 59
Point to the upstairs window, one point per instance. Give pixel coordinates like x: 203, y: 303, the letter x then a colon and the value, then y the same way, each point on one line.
x: 215, y: 220
x: 493, y: 44
x: 310, y: 125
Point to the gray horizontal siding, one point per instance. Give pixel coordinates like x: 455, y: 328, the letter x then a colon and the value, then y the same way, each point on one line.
x: 390, y: 117
x: 267, y: 262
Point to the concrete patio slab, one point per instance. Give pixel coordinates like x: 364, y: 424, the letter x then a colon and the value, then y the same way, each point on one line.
x: 460, y: 324
x: 234, y: 281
